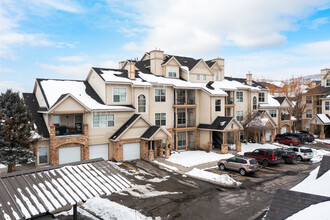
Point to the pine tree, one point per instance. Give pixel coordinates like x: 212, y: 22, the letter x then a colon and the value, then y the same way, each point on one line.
x: 16, y: 142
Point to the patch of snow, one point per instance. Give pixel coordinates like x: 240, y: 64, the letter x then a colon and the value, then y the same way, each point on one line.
x: 107, y: 209
x: 315, y: 211
x: 158, y: 180
x: 315, y: 186
x: 249, y: 147
x: 171, y: 168
x: 325, y: 141
x: 271, y: 102
x: 80, y: 211
x: 324, y: 118
x: 112, y: 76
x: 193, y: 158
x: 223, y: 179
x: 318, y: 155
x: 145, y: 191
x: 2, y: 166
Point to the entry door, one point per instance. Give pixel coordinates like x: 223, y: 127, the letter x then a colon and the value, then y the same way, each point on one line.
x: 131, y: 151
x: 283, y: 129
x: 69, y: 154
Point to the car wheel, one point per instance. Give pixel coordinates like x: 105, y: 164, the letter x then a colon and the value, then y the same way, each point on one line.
x: 299, y: 158
x: 242, y: 172
x: 222, y: 166
x: 265, y: 163
x: 291, y: 144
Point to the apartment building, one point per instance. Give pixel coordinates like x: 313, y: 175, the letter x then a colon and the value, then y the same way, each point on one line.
x: 144, y: 106
x: 316, y: 117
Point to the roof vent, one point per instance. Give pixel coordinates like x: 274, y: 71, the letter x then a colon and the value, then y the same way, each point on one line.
x: 209, y: 85
x: 222, y: 123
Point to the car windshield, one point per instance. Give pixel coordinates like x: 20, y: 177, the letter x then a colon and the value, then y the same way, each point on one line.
x: 306, y: 150
x: 253, y: 162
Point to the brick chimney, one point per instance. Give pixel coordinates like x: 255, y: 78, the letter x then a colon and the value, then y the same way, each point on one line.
x: 131, y: 69
x: 156, y: 60
x: 249, y: 79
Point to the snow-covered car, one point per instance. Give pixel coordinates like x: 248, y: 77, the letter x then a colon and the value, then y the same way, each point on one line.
x: 303, y: 153
x: 241, y: 164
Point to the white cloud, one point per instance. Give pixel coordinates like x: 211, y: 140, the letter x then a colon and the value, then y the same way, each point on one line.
x: 109, y: 64
x: 194, y: 27
x: 14, y: 85
x: 131, y: 46
x: 62, y: 5
x: 70, y: 59
x: 318, y: 22
x: 77, y: 71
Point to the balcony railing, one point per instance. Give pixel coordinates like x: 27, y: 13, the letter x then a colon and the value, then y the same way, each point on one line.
x: 62, y: 130
x: 191, y: 144
x: 229, y: 101
x: 182, y: 101
x: 318, y: 102
x: 285, y: 117
x: 186, y: 123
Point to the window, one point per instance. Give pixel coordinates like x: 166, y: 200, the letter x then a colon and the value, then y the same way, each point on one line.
x: 181, y: 118
x: 327, y: 105
x: 198, y: 77
x: 239, y: 96
x: 181, y: 139
x: 119, y: 94
x: 309, y: 114
x: 254, y: 105
x: 216, y: 75
x: 103, y: 120
x: 239, y: 115
x: 56, y: 120
x: 141, y: 103
x: 308, y: 99
x: 160, y: 119
x: 172, y: 72
x: 218, y: 105
x: 204, y: 77
x: 328, y: 82
x: 261, y: 97
x: 272, y: 113
x: 43, y: 155
x: 160, y: 95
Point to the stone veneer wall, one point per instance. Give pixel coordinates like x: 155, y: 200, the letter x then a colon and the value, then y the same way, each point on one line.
x: 67, y: 141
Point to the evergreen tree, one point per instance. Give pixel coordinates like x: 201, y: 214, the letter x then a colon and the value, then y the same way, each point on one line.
x: 16, y: 142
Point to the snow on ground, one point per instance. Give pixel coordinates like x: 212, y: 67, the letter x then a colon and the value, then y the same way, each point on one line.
x: 223, y: 179
x: 2, y: 166
x: 318, y: 155
x: 170, y: 168
x: 107, y: 209
x: 193, y: 158
x: 326, y: 141
x: 316, y: 211
x: 312, y: 185
x: 249, y: 147
x: 144, y: 191
x: 81, y: 212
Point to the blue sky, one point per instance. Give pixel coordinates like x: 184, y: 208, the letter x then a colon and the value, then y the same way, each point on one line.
x: 64, y: 38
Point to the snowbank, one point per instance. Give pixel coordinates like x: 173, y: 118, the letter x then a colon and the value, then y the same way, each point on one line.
x: 318, y: 155
x: 107, y: 209
x: 193, y: 158
x: 145, y: 191
x: 171, y: 168
x: 326, y: 141
x: 224, y: 179
x: 2, y: 166
x: 316, y: 211
x: 312, y: 185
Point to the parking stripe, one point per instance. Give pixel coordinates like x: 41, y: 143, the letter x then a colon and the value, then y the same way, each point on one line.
x: 131, y: 167
x: 232, y: 174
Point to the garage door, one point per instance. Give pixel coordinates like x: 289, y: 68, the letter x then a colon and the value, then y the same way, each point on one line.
x: 268, y: 133
x: 131, y: 151
x: 98, y: 151
x: 283, y: 129
x: 69, y: 154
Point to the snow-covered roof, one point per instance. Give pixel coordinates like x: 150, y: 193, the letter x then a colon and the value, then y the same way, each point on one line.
x: 111, y: 76
x: 324, y: 118
x: 233, y: 85
x: 43, y: 190
x: 56, y: 89
x: 271, y: 102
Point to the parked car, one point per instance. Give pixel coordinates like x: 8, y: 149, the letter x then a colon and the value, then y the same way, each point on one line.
x: 309, y: 137
x: 266, y: 156
x: 303, y: 153
x: 243, y: 165
x: 289, y: 140
x: 296, y: 135
x: 289, y: 156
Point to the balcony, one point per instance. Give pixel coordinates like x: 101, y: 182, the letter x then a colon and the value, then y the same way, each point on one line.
x: 229, y: 101
x: 285, y: 117
x: 62, y: 130
x: 182, y: 123
x: 185, y: 97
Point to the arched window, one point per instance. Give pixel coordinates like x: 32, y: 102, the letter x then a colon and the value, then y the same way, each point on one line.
x: 254, y: 103
x: 141, y: 103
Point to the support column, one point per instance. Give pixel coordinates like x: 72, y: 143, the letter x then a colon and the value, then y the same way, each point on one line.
x: 238, y: 142
x: 224, y: 147
x: 151, y: 151
x: 322, y: 135
x: 312, y: 127
x: 263, y: 138
x: 272, y: 136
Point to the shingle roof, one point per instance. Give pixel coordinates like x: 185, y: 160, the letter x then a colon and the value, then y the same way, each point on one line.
x: 210, y: 63
x: 319, y: 90
x: 324, y: 167
x: 33, y: 107
x: 143, y: 66
x: 123, y: 128
x: 219, y: 123
x: 30, y: 193
x: 280, y: 99
x: 184, y: 61
x: 286, y: 203
x: 150, y: 132
x: 243, y: 81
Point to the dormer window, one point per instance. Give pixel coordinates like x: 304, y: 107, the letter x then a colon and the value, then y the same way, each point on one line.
x: 198, y: 77
x: 204, y: 77
x: 328, y: 83
x: 172, y: 72
x: 216, y: 75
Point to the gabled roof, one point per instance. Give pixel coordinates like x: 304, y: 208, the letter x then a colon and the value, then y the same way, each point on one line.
x: 210, y: 63
x: 220, y: 123
x: 125, y: 126
x: 184, y: 61
x: 27, y: 194
x: 319, y: 90
x: 324, y: 167
x: 286, y: 203
x: 152, y: 130
x: 243, y: 81
x: 323, y: 118
x: 280, y: 99
x: 33, y: 107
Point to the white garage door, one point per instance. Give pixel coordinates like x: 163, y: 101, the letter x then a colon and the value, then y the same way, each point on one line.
x: 69, y: 154
x: 131, y: 151
x: 97, y: 151
x: 283, y: 129
x: 268, y: 133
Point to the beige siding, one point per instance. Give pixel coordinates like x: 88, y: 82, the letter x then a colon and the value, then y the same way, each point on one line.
x: 109, y: 96
x: 137, y: 130
x: 205, y: 113
x: 212, y: 106
x: 40, y: 97
x: 144, y: 91
x: 69, y: 106
x: 201, y: 69
x: 98, y: 84
x: 160, y: 135
x: 323, y: 106
x: 204, y: 138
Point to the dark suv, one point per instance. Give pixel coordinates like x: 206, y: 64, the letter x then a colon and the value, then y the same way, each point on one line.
x: 296, y: 135
x: 289, y: 156
x: 266, y: 156
x: 309, y: 137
